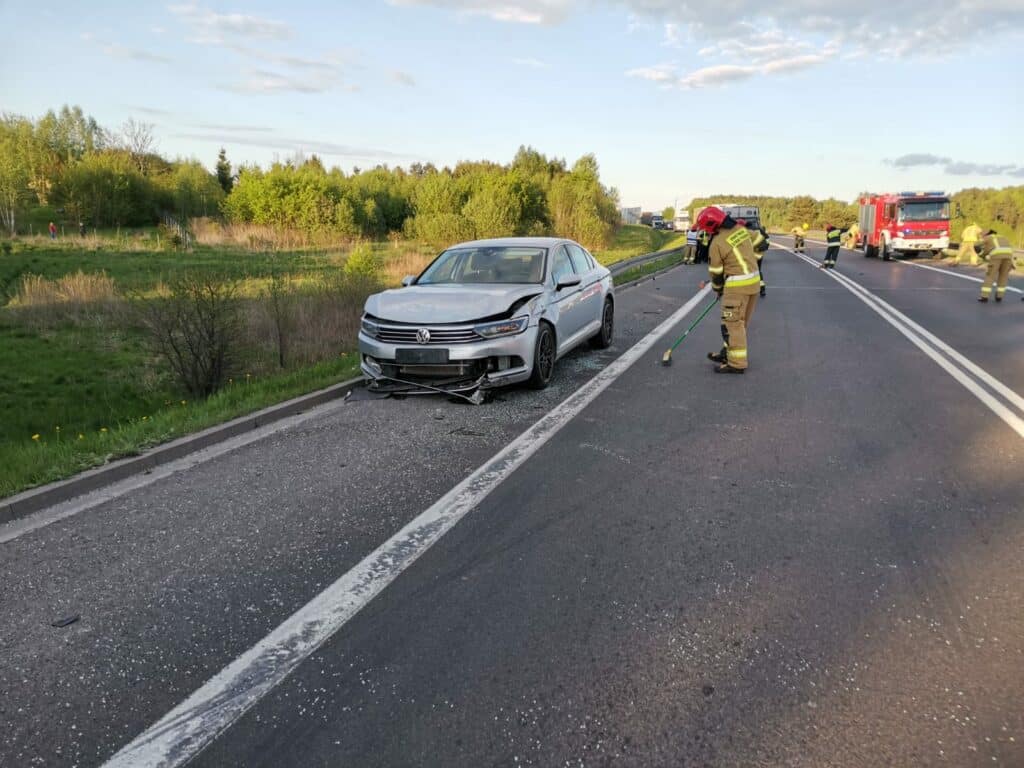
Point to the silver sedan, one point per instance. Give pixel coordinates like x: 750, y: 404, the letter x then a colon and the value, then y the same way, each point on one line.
x: 486, y: 314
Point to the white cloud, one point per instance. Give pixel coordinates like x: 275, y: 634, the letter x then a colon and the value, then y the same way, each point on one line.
x: 295, y: 145
x: 230, y: 127
x: 718, y: 74
x: 531, y: 63
x: 402, y: 78
x: 659, y: 73
x: 956, y: 167
x: 667, y: 75
x: 151, y: 111
x: 748, y: 38
x: 918, y: 158
x: 264, y: 81
x: 211, y: 27
x: 123, y: 52
x: 671, y: 35
x: 516, y: 11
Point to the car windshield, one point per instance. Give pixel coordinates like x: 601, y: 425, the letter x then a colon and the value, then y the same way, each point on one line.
x: 486, y: 264
x: 925, y: 211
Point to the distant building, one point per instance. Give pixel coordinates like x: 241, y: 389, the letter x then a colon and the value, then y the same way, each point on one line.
x: 630, y: 215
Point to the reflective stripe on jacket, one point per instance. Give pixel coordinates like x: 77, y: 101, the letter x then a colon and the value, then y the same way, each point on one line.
x: 996, y: 247
x: 733, y: 263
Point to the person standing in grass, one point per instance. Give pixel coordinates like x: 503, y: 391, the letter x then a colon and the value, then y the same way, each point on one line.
x: 53, y: 231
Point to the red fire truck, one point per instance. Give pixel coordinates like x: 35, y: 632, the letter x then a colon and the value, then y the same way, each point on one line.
x: 908, y: 222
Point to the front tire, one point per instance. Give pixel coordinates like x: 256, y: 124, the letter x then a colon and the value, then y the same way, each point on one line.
x: 883, y: 250
x: 603, y: 338
x: 543, y: 358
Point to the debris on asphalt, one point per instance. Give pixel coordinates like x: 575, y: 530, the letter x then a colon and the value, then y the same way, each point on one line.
x: 466, y: 432
x: 66, y: 621
x: 707, y: 690
x: 360, y: 394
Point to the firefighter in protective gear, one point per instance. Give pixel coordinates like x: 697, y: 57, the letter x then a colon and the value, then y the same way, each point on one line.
x: 851, y: 236
x: 798, y: 237
x: 1000, y: 262
x: 734, y: 277
x: 703, y: 244
x: 968, y: 240
x: 833, y: 236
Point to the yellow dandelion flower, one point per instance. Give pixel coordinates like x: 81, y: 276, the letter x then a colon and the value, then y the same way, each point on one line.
x: 35, y: 437
x: 103, y: 429
x: 184, y: 402
x: 57, y: 428
x: 81, y: 436
x: 145, y: 418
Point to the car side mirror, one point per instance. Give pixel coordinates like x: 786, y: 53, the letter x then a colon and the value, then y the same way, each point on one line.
x: 408, y: 280
x: 569, y: 281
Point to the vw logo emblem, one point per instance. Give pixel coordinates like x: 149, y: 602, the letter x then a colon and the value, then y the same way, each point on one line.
x: 423, y: 336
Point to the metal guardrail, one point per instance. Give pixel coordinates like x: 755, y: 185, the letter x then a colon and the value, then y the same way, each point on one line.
x: 621, y: 266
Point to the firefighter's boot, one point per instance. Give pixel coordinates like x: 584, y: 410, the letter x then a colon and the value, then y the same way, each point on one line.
x: 718, y: 357
x: 726, y: 368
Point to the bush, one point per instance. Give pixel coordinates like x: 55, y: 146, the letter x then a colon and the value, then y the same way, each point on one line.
x: 296, y: 323
x: 363, y: 262
x: 197, y: 330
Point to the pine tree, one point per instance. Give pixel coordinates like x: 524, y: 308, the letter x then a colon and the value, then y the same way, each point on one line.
x: 224, y: 176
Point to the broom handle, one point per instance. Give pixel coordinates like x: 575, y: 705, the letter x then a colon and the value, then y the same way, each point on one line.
x: 703, y: 314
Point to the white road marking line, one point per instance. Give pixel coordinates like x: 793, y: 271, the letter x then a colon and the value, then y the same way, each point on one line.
x: 64, y: 510
x: 924, y: 340
x: 184, y: 731
x: 953, y: 274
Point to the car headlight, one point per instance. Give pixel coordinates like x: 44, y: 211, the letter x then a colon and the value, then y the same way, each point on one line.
x: 370, y: 328
x: 503, y: 327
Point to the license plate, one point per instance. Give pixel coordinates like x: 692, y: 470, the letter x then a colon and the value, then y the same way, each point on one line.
x: 432, y: 356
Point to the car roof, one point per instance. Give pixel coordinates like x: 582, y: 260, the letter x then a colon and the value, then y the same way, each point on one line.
x: 527, y: 242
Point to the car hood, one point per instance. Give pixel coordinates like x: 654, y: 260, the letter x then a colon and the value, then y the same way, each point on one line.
x: 447, y: 303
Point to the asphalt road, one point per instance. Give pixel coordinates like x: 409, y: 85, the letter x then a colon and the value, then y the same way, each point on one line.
x: 814, y: 564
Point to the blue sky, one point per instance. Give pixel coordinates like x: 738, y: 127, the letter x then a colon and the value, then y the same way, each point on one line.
x: 674, y: 99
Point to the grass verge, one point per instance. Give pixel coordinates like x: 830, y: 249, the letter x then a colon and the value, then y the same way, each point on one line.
x: 61, y: 453
x: 642, y: 270
x: 635, y: 240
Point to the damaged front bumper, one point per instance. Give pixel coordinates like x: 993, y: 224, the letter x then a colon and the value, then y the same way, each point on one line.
x: 457, y: 369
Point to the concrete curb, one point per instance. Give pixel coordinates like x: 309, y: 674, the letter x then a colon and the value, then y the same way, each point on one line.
x: 35, y: 499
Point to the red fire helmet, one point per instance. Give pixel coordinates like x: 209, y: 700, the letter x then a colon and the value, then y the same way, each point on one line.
x: 710, y: 219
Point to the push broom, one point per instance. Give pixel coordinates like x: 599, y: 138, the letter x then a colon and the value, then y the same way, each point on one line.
x: 666, y: 359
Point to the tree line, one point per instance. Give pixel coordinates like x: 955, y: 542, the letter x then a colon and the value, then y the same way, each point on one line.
x: 102, y: 178
x: 65, y: 161
x: 532, y: 195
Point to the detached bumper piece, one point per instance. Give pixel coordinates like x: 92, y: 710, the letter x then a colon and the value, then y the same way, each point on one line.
x: 462, y: 378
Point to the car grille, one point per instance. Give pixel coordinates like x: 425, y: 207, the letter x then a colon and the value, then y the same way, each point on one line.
x: 924, y: 233
x: 391, y: 334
